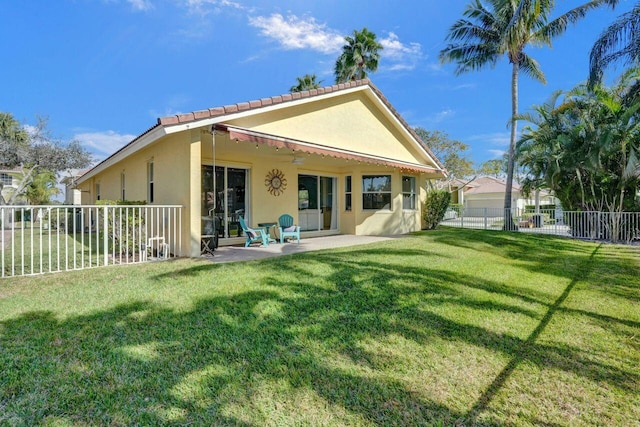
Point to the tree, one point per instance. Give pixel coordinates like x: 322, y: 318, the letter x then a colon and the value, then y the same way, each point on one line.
x: 449, y: 151
x: 306, y: 82
x: 42, y: 188
x: 586, y: 149
x: 494, y: 167
x: 620, y: 41
x: 506, y: 28
x: 35, y: 152
x: 359, y: 55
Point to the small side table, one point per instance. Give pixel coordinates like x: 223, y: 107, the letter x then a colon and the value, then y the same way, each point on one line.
x: 208, y: 244
x: 267, y: 226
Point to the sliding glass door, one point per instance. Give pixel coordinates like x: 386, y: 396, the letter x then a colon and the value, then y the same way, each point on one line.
x: 227, y: 202
x: 317, y: 203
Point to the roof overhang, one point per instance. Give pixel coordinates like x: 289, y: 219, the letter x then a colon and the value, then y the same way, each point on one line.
x: 214, y: 117
x: 242, y: 134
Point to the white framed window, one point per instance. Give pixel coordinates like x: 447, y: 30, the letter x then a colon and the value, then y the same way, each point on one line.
x: 6, y: 179
x: 150, y: 192
x: 98, y: 191
x: 376, y: 192
x: 409, y: 192
x: 123, y: 186
x: 347, y: 193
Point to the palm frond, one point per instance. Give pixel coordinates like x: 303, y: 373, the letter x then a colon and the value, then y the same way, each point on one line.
x: 530, y: 67
x: 620, y: 40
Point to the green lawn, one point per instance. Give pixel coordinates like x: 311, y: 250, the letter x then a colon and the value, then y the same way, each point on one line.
x: 447, y: 327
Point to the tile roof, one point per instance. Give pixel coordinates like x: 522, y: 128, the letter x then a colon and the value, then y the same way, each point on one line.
x: 275, y: 100
x: 489, y: 184
x: 281, y: 99
x: 259, y: 103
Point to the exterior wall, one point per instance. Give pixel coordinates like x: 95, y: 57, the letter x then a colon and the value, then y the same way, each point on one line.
x: 353, y: 121
x: 387, y: 222
x: 72, y: 196
x: 490, y: 200
x: 172, y: 179
x: 350, y: 122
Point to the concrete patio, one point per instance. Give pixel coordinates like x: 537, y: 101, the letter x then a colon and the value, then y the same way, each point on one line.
x: 240, y: 253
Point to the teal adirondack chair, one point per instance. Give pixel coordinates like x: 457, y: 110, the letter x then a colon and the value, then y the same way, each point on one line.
x: 287, y: 229
x: 254, y: 234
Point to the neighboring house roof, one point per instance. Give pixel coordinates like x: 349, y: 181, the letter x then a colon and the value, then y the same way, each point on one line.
x: 218, y: 115
x: 488, y: 184
x: 73, y: 176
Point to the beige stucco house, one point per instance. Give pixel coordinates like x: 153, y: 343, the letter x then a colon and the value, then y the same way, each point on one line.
x: 339, y: 159
x: 488, y: 192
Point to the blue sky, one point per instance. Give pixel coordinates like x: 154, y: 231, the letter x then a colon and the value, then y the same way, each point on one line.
x: 104, y: 70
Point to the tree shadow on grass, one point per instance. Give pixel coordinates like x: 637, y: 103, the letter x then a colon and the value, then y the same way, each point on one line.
x: 146, y: 365
x: 559, y: 256
x: 215, y: 363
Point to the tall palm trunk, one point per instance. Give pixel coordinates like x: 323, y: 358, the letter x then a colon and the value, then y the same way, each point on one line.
x: 508, y: 219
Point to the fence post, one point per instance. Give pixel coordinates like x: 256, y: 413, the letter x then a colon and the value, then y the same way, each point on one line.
x: 485, y: 218
x: 105, y: 235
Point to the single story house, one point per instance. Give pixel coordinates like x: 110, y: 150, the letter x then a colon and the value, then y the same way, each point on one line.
x: 339, y: 159
x: 488, y: 192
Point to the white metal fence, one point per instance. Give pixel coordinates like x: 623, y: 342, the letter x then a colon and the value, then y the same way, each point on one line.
x: 614, y: 227
x: 46, y: 239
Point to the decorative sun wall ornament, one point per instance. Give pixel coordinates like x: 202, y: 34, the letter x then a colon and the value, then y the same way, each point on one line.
x: 275, y: 182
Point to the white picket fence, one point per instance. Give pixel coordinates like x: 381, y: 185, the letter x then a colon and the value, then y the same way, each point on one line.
x: 47, y: 239
x: 605, y: 226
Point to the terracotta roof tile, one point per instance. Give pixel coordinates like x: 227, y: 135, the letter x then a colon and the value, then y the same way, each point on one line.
x: 266, y: 101
x: 243, y: 106
x: 217, y: 111
x: 230, y: 108
x: 168, y: 120
x: 202, y: 114
x: 255, y: 104
x: 187, y: 117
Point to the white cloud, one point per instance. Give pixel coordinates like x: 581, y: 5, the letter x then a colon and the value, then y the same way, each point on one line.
x: 442, y: 115
x: 103, y: 143
x: 141, y: 4
x: 402, y: 56
x: 204, y: 7
x: 497, y: 154
x: 496, y: 138
x: 396, y: 50
x: 298, y: 33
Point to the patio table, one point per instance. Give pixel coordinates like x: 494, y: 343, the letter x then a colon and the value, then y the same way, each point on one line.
x: 267, y: 226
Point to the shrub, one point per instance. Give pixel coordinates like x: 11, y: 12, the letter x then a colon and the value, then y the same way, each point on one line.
x: 125, y: 227
x: 435, y: 206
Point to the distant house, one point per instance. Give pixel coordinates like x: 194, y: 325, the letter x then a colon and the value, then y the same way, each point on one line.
x: 9, y: 183
x: 339, y: 159
x: 488, y: 192
x: 73, y: 194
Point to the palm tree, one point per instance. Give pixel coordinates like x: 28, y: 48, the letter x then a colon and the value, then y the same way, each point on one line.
x: 586, y: 149
x: 506, y: 28
x: 620, y: 41
x: 42, y: 189
x: 306, y: 82
x: 359, y: 55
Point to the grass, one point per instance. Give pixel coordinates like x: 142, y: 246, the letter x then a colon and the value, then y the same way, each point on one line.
x: 440, y: 328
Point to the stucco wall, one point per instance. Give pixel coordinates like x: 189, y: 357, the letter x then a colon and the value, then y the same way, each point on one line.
x: 171, y: 157
x: 350, y: 122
